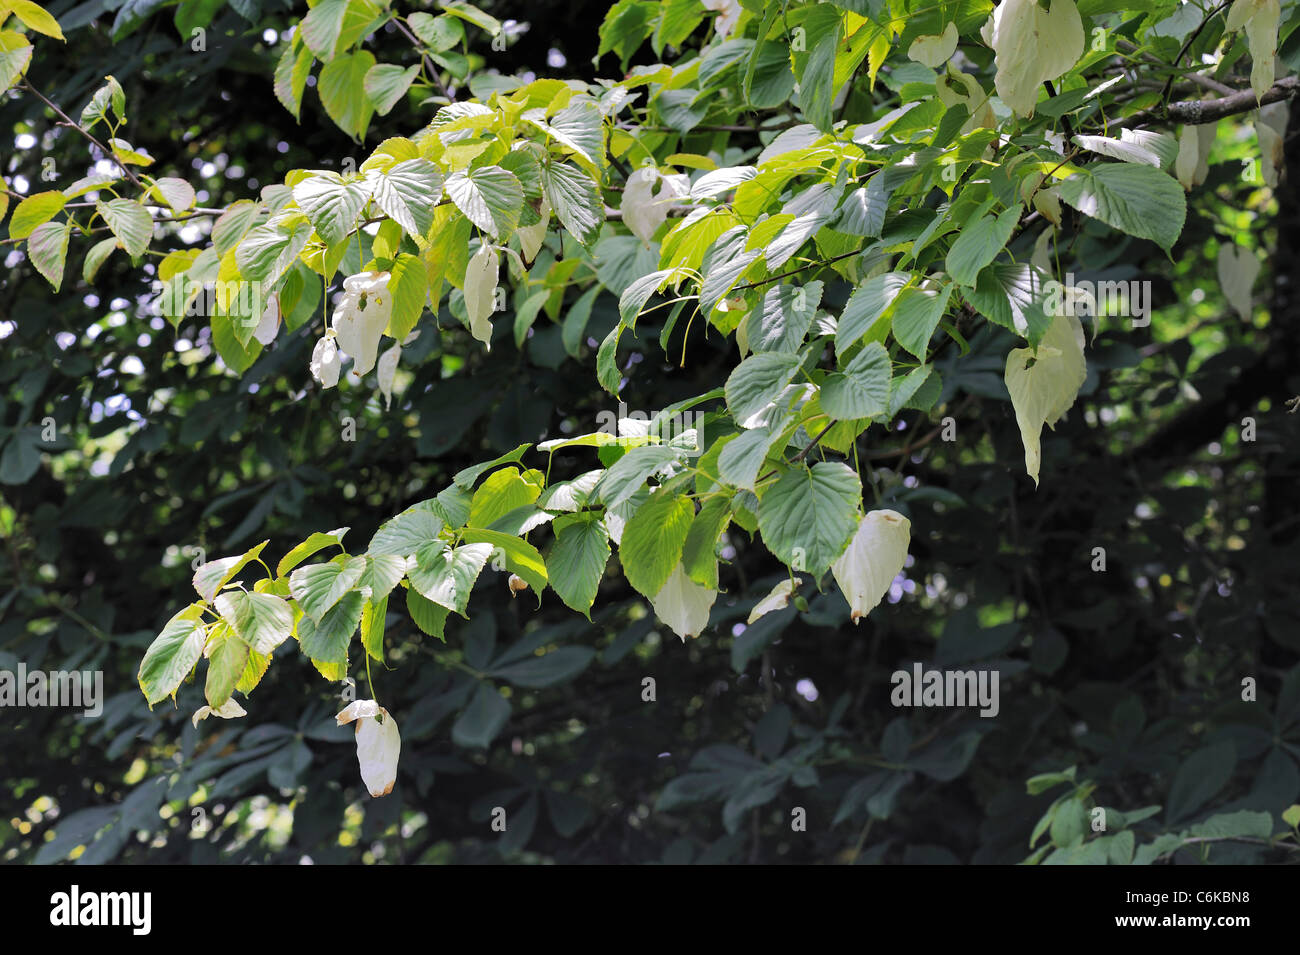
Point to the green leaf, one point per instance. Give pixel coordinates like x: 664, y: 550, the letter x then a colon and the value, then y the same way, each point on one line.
x: 630, y: 472
x: 869, y: 302
x: 783, y: 318
x: 1012, y: 295
x: 407, y: 193
x: 226, y: 663
x: 699, y: 553
x: 742, y: 458
x: 626, y: 25
x: 109, y: 96
x: 607, y: 373
x: 15, y: 54
x: 863, y: 211
x: 551, y: 669
x: 330, y: 204
x: 237, y: 355
x: 1138, y: 200
x: 817, y: 79
x: 1039, y: 784
x: 233, y: 224
x: 386, y: 84
x: 482, y: 720
x: 577, y: 561
x: 756, y: 383
x: 172, y: 655
x: 862, y: 389
x: 472, y: 14
x: 808, y: 517
x: 653, y: 540
x: 406, y: 533
x: 724, y: 263
x: 99, y: 252
x: 490, y: 197
x: 469, y: 476
x: 520, y: 557
x: 33, y: 211
x: 438, y: 33
x: 316, y: 542
x: 342, y: 91
x: 210, y: 577
x: 446, y: 575
x: 576, y: 127
x: 428, y: 616
x: 129, y: 221
x: 321, y: 27
x: 1201, y: 776
x: 372, y: 627
x: 383, y: 572
x: 916, y: 316
x: 291, y: 72
x: 327, y: 641
x: 318, y: 587
x: 979, y: 243
x: 409, y: 287
x: 575, y: 200
x: 263, y: 621
x: 500, y: 494
x: 47, y: 246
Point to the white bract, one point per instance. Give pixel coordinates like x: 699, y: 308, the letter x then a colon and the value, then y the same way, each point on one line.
x: 386, y: 371
x: 1238, y: 268
x: 229, y: 710
x: 378, y: 744
x: 1044, y: 383
x: 1270, y: 126
x: 1260, y: 19
x: 934, y: 51
x: 777, y: 599
x: 480, y: 291
x: 683, y: 604
x: 955, y: 87
x: 361, y: 316
x: 728, y: 12
x: 643, y: 209
x: 1194, y: 145
x: 269, y: 324
x: 325, y: 363
x: 874, y: 557
x: 532, y: 236
x: 1033, y: 45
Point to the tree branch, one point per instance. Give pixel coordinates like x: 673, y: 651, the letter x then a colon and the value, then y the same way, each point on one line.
x: 1198, y: 112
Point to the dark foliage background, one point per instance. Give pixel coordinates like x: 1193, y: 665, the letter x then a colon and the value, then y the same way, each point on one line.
x: 1132, y: 674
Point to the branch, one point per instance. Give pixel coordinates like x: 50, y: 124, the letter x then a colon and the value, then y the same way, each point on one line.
x: 85, y: 132
x: 1199, y: 112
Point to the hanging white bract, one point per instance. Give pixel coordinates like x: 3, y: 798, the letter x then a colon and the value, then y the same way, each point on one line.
x: 378, y: 744
x: 361, y: 316
x: 481, y: 277
x: 645, y: 210
x: 683, y: 604
x: 386, y: 371
x: 874, y: 557
x: 325, y: 363
x: 1044, y: 383
x: 1033, y: 45
x: 269, y: 325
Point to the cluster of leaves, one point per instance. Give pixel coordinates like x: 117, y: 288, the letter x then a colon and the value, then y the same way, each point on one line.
x: 885, y: 247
